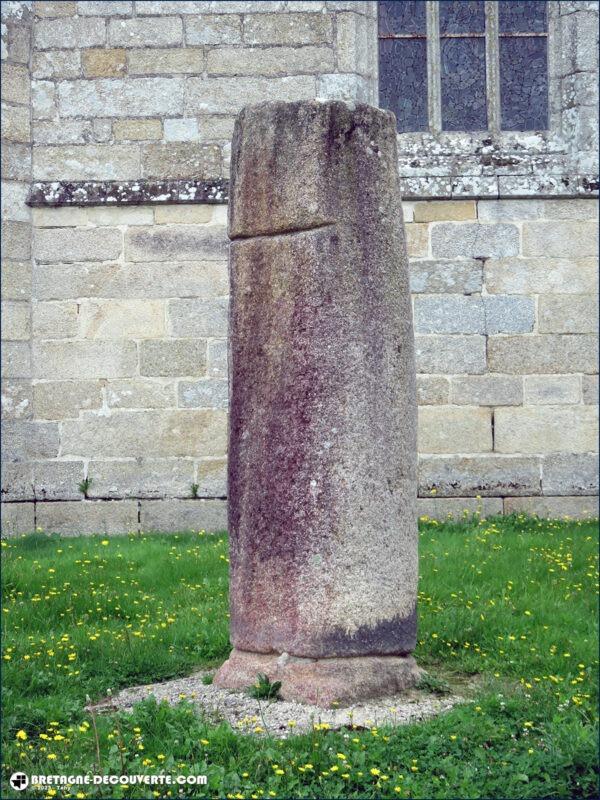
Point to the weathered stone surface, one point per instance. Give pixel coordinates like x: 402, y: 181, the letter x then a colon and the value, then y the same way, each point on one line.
x: 112, y: 97
x: 15, y: 83
x: 15, y: 240
x: 201, y: 279
x: 589, y: 388
x: 16, y: 399
x: 17, y: 41
x: 517, y: 210
x: 447, y: 429
x: 450, y: 354
x: 269, y: 60
x: 56, y: 64
x: 553, y: 507
x: 64, y: 399
x: 568, y: 313
x: 140, y: 394
x: 548, y: 353
x: 14, y: 195
x: 474, y: 240
x: 417, y: 240
x: 445, y: 210
x: 24, y: 440
x: 323, y: 380
x: 106, y: 215
x: 80, y: 162
x: 69, y: 245
x: 146, y: 434
x: 183, y: 515
x: 213, y: 29
x: 432, y: 390
x: 217, y: 358
x: 16, y: 324
x: 71, y: 131
x: 140, y: 32
x: 346, y: 87
x: 570, y: 474
x: 55, y: 320
x: 542, y: 276
x: 558, y: 239
x: 16, y: 159
x: 449, y: 314
x: 102, y: 63
x: 505, y: 314
x: 59, y: 217
x: 538, y: 429
x: 88, y: 516
x: 177, y: 243
x: 173, y: 357
x: 141, y: 477
x: 55, y: 8
x: 57, y: 480
x: 17, y: 518
x: 17, y: 482
x: 454, y: 277
x: 16, y: 280
x: 484, y: 476
x: 181, y: 130
x: 354, y: 35
x: 67, y: 33
x: 183, y: 215
x: 212, y: 478
x: 324, y: 682
x: 228, y: 95
x: 458, y: 507
x: 15, y: 123
x: 76, y: 360
x: 191, y: 318
x: 43, y: 100
x: 122, y: 319
x: 103, y: 8
x: 206, y: 393
x: 551, y: 389
x: 180, y: 160
x: 288, y: 28
x: 16, y: 360
x: 487, y: 390
x: 137, y: 130
x: 183, y: 60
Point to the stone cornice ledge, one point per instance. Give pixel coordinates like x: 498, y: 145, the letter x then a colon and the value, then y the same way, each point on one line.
x: 44, y: 194
x: 434, y: 187
x: 121, y: 193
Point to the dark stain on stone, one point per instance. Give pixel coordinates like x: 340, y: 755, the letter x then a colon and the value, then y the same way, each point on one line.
x: 396, y: 636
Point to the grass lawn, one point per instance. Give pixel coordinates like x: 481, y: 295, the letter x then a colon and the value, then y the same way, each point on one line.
x: 513, y: 600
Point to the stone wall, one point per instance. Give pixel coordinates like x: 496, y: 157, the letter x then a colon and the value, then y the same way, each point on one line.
x: 115, y: 339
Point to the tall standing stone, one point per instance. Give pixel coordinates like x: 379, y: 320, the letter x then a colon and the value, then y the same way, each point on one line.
x: 322, y: 448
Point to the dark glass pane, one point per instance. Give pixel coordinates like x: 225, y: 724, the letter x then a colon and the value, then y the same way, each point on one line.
x: 522, y: 17
x: 462, y: 17
x: 403, y: 81
x: 463, y: 85
x: 402, y: 17
x: 523, y: 83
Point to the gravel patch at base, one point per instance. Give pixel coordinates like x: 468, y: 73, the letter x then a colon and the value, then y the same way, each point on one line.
x: 281, y: 718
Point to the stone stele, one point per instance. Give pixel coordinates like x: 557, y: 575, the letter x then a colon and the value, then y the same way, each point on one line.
x: 322, y: 448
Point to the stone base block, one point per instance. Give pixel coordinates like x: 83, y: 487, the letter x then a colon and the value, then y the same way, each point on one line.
x: 323, y: 682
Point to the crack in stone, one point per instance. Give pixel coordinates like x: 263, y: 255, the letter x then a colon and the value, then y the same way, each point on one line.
x: 291, y: 232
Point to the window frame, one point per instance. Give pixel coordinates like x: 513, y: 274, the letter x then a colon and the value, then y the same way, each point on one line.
x: 492, y: 36
x: 493, y: 163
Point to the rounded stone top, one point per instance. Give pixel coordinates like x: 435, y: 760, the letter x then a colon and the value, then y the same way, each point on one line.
x: 295, y: 165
